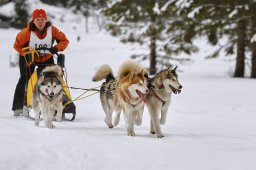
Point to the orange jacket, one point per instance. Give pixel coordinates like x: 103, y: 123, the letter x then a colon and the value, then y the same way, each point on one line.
x: 23, y: 38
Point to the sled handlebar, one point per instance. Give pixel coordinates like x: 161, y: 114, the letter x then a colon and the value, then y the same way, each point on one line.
x: 60, y: 57
x: 30, y: 58
x: 45, y: 48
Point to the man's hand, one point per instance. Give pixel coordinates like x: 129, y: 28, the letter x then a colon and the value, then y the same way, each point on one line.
x: 53, y: 50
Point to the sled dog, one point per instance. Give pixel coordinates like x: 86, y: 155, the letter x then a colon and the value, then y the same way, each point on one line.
x: 130, y: 94
x: 161, y: 86
x: 106, y: 91
x: 47, y: 95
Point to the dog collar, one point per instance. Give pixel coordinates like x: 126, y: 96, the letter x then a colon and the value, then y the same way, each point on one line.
x: 161, y: 86
x: 163, y: 102
x: 128, y: 101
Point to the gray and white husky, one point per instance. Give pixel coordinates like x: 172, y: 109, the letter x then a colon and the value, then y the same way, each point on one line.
x: 106, y: 91
x: 161, y: 87
x: 47, y: 95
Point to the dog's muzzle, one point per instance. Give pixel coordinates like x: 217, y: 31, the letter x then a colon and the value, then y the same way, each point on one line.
x: 51, y: 95
x: 176, y: 91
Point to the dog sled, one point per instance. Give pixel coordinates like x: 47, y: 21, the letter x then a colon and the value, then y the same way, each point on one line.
x: 69, y: 110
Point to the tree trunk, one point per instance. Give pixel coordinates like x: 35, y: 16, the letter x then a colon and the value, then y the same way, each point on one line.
x: 253, y: 70
x: 152, y: 69
x: 239, y: 70
x: 86, y: 25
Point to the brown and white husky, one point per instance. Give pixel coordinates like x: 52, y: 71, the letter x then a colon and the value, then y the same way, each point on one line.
x: 130, y: 94
x: 127, y: 92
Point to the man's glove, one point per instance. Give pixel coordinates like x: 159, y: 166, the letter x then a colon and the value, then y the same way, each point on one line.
x: 53, y: 50
x: 61, y: 60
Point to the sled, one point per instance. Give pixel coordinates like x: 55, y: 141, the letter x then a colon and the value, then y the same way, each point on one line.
x: 69, y: 106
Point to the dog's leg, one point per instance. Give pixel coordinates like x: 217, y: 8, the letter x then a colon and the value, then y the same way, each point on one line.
x: 154, y: 114
x: 37, y: 114
x: 59, y: 111
x: 163, y: 116
x: 48, y: 117
x: 37, y: 118
x: 117, y: 118
x: 152, y: 131
x: 108, y: 118
x: 45, y: 115
x: 139, y: 115
x: 129, y: 120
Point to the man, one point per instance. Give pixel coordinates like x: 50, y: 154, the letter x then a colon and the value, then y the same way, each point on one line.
x: 39, y: 33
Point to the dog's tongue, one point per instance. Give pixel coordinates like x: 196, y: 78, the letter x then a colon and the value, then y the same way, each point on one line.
x: 142, y: 96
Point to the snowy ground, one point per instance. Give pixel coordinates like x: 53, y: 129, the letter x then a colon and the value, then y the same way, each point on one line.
x: 210, y: 125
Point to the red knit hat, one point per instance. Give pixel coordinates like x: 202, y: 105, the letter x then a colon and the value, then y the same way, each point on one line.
x: 39, y: 13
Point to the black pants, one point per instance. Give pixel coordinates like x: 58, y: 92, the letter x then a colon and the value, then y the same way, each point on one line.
x: 25, y: 73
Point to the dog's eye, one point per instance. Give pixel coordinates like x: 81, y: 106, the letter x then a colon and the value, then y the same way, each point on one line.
x: 55, y: 86
x: 173, y: 80
x: 140, y: 84
x: 48, y: 86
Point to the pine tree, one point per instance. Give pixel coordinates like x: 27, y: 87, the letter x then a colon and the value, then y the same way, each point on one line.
x: 229, y: 18
x: 62, y: 3
x: 253, y: 38
x: 144, y: 22
x: 86, y: 8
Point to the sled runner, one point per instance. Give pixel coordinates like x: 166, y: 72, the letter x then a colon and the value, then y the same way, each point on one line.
x: 69, y: 106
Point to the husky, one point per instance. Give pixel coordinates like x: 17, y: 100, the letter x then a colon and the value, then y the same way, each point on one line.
x: 161, y: 86
x: 130, y: 94
x: 106, y: 91
x: 47, y: 96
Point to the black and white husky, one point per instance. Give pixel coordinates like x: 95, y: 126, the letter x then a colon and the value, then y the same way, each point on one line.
x: 47, y: 95
x: 161, y: 87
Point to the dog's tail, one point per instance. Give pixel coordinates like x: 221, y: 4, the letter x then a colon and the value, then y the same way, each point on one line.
x: 104, y: 72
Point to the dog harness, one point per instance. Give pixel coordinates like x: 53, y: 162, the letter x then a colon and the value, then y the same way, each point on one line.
x: 36, y: 43
x: 154, y: 93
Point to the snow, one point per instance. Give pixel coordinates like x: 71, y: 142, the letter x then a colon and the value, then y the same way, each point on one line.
x: 194, y: 12
x: 166, y: 5
x: 210, y: 124
x: 156, y: 9
x: 234, y: 12
x: 253, y: 39
x: 7, y: 9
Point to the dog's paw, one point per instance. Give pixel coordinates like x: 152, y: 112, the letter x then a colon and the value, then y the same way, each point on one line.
x: 152, y: 132
x: 130, y: 133
x: 160, y: 135
x: 116, y: 122
x: 137, y: 122
x: 162, y: 121
x: 51, y: 126
x: 58, y: 119
x: 37, y: 123
x: 110, y: 126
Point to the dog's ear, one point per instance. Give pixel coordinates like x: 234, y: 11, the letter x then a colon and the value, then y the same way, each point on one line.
x: 174, y: 70
x: 125, y: 74
x: 131, y: 76
x: 146, y: 75
x: 42, y: 74
x: 41, y: 78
